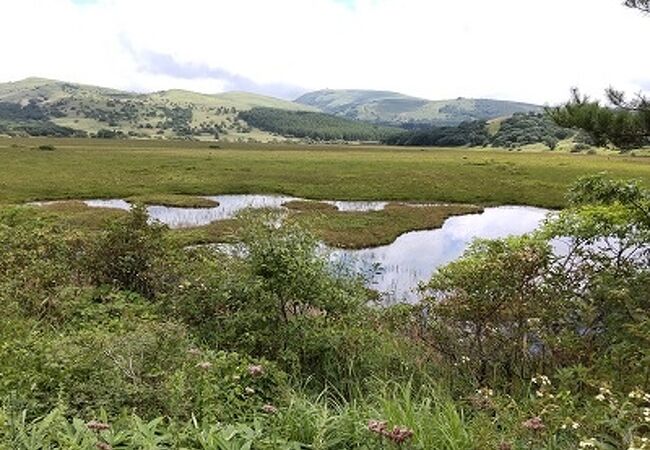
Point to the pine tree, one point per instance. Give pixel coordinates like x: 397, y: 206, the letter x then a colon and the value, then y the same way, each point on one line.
x: 643, y: 5
x: 624, y: 123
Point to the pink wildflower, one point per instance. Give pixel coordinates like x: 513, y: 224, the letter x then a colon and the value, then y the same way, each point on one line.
x: 534, y: 424
x: 255, y: 370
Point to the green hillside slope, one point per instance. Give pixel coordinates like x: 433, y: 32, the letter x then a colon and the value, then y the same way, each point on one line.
x: 109, y: 112
x: 392, y: 107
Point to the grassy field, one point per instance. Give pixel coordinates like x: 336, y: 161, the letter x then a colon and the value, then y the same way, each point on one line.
x: 79, y: 168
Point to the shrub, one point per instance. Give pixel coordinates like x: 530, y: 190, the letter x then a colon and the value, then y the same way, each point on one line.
x: 131, y: 254
x: 481, y: 310
x: 38, y: 264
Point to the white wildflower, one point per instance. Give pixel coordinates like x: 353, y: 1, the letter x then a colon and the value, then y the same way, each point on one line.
x: 588, y: 443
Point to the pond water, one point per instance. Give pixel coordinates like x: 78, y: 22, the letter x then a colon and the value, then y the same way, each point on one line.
x: 396, y: 269
x: 229, y: 206
x: 358, y: 206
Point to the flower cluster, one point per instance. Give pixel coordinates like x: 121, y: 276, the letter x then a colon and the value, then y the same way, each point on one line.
x: 588, y: 443
x: 255, y: 370
x: 639, y: 394
x: 534, y: 424
x: 543, y: 384
x: 269, y: 409
x: 397, y: 435
x: 570, y: 424
x: 603, y: 393
x: 541, y: 380
x: 482, y: 399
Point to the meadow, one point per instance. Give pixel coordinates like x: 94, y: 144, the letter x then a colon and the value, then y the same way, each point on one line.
x: 115, y: 335
x: 120, y: 338
x: 93, y: 168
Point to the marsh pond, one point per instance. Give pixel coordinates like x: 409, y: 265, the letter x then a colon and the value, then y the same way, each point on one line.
x: 395, y: 270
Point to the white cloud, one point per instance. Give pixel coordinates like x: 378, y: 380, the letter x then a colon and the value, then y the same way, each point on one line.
x: 511, y: 49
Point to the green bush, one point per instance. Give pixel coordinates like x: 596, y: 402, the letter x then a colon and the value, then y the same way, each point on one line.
x: 39, y: 273
x: 131, y: 254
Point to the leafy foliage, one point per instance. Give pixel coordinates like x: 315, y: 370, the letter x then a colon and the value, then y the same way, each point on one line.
x: 513, y: 306
x: 624, y: 126
x: 523, y: 129
x: 129, y: 253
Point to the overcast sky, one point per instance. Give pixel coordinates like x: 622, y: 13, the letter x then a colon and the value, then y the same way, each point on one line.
x: 528, y: 50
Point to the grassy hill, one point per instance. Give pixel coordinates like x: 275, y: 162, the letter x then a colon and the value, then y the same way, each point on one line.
x: 51, y: 107
x: 171, y: 114
x: 392, y: 107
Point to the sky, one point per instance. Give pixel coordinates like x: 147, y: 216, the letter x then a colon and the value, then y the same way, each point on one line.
x: 525, y: 50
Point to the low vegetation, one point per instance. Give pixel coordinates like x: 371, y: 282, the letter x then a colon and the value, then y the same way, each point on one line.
x: 117, y: 337
x: 346, y: 229
x: 93, y: 168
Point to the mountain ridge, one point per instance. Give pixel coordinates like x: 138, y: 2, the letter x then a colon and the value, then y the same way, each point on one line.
x: 395, y: 108
x: 82, y: 109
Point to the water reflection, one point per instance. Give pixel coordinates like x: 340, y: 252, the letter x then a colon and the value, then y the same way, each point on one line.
x: 414, y: 256
x: 112, y: 203
x: 358, y: 206
x: 411, y: 259
x: 229, y: 206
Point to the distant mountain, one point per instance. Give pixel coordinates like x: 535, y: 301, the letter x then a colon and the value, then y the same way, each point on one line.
x: 394, y: 108
x: 42, y: 107
x: 109, y: 112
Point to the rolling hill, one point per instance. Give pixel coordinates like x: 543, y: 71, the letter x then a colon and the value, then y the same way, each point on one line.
x: 43, y: 107
x: 104, y: 111
x: 394, y: 108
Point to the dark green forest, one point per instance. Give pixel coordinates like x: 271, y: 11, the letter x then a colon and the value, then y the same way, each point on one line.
x: 467, y: 133
x: 314, y: 125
